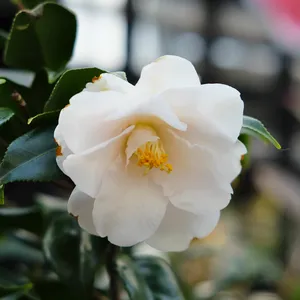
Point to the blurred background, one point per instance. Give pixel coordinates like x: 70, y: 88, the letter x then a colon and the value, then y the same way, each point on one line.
x: 252, y: 45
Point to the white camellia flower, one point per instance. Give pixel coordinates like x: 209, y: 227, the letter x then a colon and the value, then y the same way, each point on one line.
x: 152, y: 162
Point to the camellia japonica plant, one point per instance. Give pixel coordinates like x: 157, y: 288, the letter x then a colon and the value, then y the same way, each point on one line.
x: 151, y: 162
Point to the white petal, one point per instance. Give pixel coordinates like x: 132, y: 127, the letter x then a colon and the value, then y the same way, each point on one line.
x: 128, y: 210
x: 179, y: 227
x: 165, y: 73
x: 87, y: 168
x: 203, y: 199
x: 81, y: 205
x: 228, y: 163
x: 82, y: 123
x: 205, y: 224
x: 195, y: 183
x: 214, y: 110
x: 139, y: 136
x: 110, y: 82
x: 223, y: 104
x: 153, y: 111
x: 65, y: 151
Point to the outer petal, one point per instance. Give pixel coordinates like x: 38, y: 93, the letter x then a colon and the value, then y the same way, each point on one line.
x: 228, y: 164
x: 110, y: 82
x: 179, y: 227
x: 87, y: 169
x: 82, y: 123
x: 64, y: 150
x: 165, y: 73
x: 128, y: 210
x: 81, y: 205
x: 212, y: 110
x: 196, y: 183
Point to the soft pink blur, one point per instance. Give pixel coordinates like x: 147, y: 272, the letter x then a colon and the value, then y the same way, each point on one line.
x: 283, y: 17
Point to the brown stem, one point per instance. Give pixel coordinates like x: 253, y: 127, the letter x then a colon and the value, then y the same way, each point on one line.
x: 111, y: 256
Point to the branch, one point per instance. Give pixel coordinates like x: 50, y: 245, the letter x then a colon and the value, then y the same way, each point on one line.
x: 111, y: 256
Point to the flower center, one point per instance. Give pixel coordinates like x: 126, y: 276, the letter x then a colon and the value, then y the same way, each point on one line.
x: 152, y: 155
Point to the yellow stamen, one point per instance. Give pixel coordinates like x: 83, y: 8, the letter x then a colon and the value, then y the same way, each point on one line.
x: 152, y: 155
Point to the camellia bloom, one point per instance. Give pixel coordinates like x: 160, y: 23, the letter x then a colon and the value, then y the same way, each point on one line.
x: 152, y: 162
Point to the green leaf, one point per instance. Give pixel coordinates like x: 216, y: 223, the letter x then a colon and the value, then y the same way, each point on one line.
x: 46, y: 118
x: 2, y: 194
x: 3, y: 38
x: 256, y: 129
x: 46, y: 36
x: 5, y: 114
x: 133, y: 282
x: 8, y: 290
x: 54, y: 75
x: 12, y: 249
x: 248, y: 265
x: 39, y: 93
x: 245, y: 161
x: 12, y: 96
x: 71, y: 254
x: 69, y: 84
x: 30, y: 3
x: 50, y: 207
x: 9, y: 277
x: 28, y: 218
x: 159, y: 277
x: 31, y: 157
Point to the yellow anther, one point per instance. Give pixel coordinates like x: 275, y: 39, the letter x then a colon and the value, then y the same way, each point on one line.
x: 152, y: 155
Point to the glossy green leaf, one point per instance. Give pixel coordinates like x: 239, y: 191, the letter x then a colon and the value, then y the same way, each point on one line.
x: 28, y: 218
x: 31, y: 157
x: 13, y: 249
x: 245, y: 139
x: 70, y: 252
x: 3, y: 39
x: 12, y: 96
x: 133, y: 282
x: 2, y: 195
x: 8, y: 290
x: 69, y: 84
x: 46, y: 36
x: 5, y: 114
x: 54, y: 75
x: 9, y: 277
x: 29, y: 4
x: 46, y: 118
x: 159, y: 278
x: 256, y: 129
x: 39, y: 93
x: 51, y: 207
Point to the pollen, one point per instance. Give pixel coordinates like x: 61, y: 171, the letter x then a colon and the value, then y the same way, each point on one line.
x: 152, y: 155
